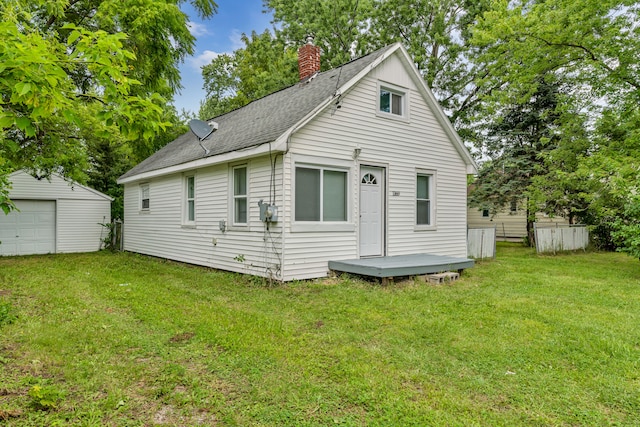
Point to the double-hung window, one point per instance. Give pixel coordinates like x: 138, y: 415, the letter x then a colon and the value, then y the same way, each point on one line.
x: 240, y: 195
x: 144, y: 197
x: 190, y: 199
x: 321, y: 194
x: 425, y: 199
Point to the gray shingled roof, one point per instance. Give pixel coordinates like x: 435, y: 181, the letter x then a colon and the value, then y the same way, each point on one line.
x: 258, y: 122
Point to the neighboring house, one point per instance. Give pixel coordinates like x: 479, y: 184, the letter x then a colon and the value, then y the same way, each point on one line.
x: 510, y: 225
x: 53, y: 216
x: 355, y: 162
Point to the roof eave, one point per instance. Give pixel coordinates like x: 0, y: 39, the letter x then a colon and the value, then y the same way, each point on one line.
x: 231, y: 156
x: 70, y: 182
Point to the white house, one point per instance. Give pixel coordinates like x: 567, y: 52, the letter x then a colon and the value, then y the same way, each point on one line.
x: 511, y: 224
x: 53, y: 216
x: 355, y: 162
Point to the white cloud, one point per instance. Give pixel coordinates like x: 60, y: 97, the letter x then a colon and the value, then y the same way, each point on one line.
x: 202, y: 59
x: 197, y: 29
x: 236, y: 39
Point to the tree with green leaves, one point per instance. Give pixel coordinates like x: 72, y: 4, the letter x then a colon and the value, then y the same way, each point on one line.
x: 339, y: 26
x: 516, y: 142
x: 62, y: 61
x: 436, y: 35
x: 434, y: 32
x: 264, y: 65
x: 593, y: 48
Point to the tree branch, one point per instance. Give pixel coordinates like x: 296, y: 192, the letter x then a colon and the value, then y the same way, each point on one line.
x: 592, y: 56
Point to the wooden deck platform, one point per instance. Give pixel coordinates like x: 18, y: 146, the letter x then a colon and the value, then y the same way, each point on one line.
x: 401, y: 265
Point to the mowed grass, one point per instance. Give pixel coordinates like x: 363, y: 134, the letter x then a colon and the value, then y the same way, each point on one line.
x: 126, y: 340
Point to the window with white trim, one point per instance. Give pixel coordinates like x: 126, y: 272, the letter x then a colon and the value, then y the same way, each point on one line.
x: 321, y: 194
x: 485, y: 213
x: 240, y: 195
x: 424, y: 199
x: 190, y: 199
x: 392, y: 101
x: 144, y: 197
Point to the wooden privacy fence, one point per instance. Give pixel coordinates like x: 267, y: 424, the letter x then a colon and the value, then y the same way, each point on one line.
x: 481, y: 242
x: 561, y: 238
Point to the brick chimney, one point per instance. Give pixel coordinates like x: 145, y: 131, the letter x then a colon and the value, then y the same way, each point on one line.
x: 308, y: 59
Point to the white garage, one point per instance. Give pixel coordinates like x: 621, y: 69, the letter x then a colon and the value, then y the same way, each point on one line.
x: 53, y: 216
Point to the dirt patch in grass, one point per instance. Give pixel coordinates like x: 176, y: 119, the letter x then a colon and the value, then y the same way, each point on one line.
x: 181, y: 338
x: 170, y: 415
x: 7, y: 415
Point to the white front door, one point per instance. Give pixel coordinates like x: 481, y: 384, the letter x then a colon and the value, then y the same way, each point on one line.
x: 371, y: 211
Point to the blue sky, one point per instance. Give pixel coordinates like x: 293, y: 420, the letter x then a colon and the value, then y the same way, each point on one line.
x: 220, y: 34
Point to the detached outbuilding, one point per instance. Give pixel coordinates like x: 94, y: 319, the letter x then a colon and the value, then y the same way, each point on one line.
x: 358, y: 162
x: 53, y: 216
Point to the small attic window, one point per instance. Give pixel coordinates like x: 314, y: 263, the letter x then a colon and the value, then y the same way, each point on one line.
x: 392, y: 101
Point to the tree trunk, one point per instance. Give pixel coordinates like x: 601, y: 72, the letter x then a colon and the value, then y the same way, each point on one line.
x: 531, y: 236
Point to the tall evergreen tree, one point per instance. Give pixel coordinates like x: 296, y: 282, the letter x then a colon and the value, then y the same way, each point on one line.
x: 516, y: 143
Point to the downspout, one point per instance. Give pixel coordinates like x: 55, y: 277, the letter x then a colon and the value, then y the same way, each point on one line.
x: 285, y: 213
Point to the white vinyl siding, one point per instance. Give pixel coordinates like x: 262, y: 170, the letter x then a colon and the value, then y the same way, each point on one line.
x: 207, y: 245
x: 79, y: 225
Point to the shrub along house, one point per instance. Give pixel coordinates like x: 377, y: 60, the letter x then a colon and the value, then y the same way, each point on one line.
x: 356, y: 163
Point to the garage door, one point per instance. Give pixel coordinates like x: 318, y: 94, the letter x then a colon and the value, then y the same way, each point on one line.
x: 30, y: 231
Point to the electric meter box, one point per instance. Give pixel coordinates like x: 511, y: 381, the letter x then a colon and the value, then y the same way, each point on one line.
x: 268, y: 213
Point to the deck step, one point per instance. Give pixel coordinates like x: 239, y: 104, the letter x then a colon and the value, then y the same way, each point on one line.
x: 446, y: 277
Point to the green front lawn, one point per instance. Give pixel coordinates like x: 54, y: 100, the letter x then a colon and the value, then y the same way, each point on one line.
x: 125, y: 340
